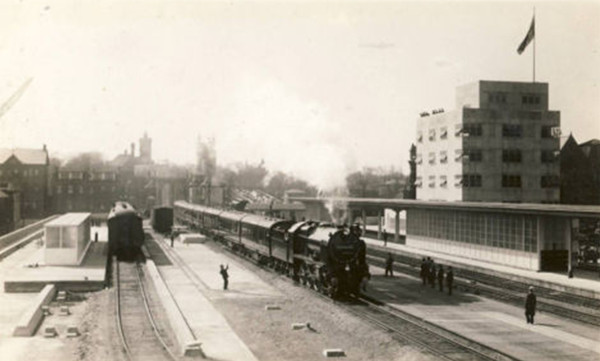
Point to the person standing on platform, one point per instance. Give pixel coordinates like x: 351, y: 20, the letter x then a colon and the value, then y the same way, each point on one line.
x: 389, y: 265
x: 440, y: 277
x: 449, y: 280
x: 225, y: 276
x: 432, y: 273
x: 530, y: 302
x: 172, y: 239
x: 384, y: 238
x: 424, y: 268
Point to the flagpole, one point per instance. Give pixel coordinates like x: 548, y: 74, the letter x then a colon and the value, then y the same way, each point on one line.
x: 534, y: 36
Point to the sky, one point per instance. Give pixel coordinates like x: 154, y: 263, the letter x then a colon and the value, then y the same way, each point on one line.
x: 316, y: 89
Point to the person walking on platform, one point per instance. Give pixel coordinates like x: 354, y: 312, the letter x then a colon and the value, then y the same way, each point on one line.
x: 432, y: 273
x: 389, y: 265
x: 440, y: 277
x: 530, y: 302
x: 449, y: 280
x: 424, y: 268
x: 384, y: 238
x: 172, y: 239
x: 225, y: 276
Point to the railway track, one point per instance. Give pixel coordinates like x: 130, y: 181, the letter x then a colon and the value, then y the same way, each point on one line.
x: 139, y: 334
x: 405, y: 328
x: 576, y: 308
x: 429, y: 338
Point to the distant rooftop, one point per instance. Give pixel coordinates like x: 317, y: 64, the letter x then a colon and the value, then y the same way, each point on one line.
x: 25, y: 156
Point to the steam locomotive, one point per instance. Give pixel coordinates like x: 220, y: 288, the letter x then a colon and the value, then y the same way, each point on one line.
x: 125, y: 232
x: 328, y: 258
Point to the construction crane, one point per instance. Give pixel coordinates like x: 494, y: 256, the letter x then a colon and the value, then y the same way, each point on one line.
x: 14, y: 98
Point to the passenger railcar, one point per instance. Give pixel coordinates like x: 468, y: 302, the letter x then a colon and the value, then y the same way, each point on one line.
x: 162, y: 219
x: 125, y: 232
x: 323, y: 256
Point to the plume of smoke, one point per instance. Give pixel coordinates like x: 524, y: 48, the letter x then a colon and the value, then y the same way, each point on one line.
x: 335, y: 204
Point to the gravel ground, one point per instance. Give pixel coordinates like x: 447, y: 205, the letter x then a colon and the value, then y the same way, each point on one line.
x: 267, y: 333
x: 270, y: 336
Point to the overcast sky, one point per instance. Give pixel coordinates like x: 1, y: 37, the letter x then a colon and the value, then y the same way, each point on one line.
x: 316, y: 89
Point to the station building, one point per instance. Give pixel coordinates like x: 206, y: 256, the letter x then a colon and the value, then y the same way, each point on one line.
x: 500, y: 144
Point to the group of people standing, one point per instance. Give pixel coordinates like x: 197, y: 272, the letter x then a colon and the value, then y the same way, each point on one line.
x: 430, y: 273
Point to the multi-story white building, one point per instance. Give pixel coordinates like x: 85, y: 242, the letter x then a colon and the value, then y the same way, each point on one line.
x: 500, y: 144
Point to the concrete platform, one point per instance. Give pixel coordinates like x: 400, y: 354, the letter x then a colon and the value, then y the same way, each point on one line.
x: 497, y: 325
x: 560, y: 282
x: 89, y: 276
x: 195, y: 300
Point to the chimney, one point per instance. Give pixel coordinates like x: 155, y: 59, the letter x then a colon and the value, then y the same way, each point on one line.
x: 44, y: 148
x: 133, y: 149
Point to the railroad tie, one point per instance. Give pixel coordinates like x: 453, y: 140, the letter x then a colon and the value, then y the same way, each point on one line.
x: 272, y: 307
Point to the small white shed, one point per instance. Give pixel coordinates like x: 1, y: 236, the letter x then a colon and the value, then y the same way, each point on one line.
x: 67, y: 239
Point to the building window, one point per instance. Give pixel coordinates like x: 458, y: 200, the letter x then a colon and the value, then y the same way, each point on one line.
x: 33, y: 205
x: 472, y: 130
x: 511, y: 181
x: 431, y: 157
x: 497, y: 98
x: 419, y: 159
x: 443, y: 156
x: 418, y: 182
x: 431, y: 181
x: 548, y: 156
x: 511, y: 155
x: 58, y: 189
x: 431, y: 134
x: 471, y: 180
x: 550, y: 181
x: 472, y: 155
x: 443, y: 181
x: 36, y: 172
x: 511, y: 130
x: 530, y: 99
x: 70, y: 189
x: 443, y: 133
x: 420, y: 137
x: 80, y: 189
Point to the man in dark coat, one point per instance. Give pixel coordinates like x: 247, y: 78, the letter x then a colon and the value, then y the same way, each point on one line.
x: 530, y: 302
x: 424, y: 269
x: 225, y: 276
x: 449, y: 280
x: 440, y: 277
x: 384, y: 238
x: 389, y: 265
x: 432, y: 273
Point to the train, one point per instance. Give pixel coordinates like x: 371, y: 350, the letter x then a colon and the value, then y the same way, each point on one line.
x: 329, y: 258
x: 162, y: 219
x: 125, y: 232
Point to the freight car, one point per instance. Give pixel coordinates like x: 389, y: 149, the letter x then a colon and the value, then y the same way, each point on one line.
x: 326, y: 257
x: 125, y: 232
x: 162, y: 219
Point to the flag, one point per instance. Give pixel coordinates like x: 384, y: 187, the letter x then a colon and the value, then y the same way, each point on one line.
x: 528, y: 37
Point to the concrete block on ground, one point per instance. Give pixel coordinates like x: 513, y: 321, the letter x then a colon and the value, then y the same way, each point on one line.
x: 72, y: 331
x: 62, y: 296
x: 50, y: 332
x: 32, y: 317
x: 193, y: 349
x: 64, y: 311
x: 46, y: 310
x: 334, y: 352
x: 272, y: 307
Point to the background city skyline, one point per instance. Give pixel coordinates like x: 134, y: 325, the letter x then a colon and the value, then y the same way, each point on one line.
x: 317, y: 90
